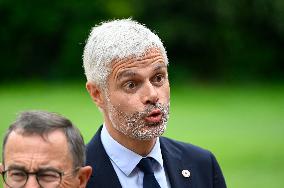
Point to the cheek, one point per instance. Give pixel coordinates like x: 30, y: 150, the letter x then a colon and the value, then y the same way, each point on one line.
x: 125, y: 103
x: 165, y: 94
x: 168, y: 93
x: 70, y: 182
x: 125, y: 108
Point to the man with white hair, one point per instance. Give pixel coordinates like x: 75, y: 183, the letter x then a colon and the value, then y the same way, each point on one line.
x: 126, y: 68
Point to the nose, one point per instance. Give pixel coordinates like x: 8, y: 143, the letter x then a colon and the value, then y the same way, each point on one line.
x: 150, y: 94
x: 32, y: 182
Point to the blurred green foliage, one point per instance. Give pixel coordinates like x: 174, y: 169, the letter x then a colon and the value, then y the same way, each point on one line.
x: 207, y: 40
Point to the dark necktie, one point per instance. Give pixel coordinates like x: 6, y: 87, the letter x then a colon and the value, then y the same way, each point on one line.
x: 149, y: 180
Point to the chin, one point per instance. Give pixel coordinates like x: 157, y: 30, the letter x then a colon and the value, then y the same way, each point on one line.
x: 149, y: 133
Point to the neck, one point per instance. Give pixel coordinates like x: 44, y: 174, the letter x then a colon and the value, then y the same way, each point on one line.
x: 141, y: 147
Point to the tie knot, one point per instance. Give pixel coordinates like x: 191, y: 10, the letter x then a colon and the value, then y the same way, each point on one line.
x: 145, y: 165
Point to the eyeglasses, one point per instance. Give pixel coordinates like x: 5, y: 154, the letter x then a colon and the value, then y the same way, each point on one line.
x: 15, y: 178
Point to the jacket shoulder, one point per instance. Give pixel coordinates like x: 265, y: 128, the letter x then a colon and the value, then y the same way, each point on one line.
x: 186, y: 149
x: 207, y: 169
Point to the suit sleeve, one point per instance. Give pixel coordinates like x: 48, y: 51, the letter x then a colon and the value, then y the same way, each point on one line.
x: 218, y: 178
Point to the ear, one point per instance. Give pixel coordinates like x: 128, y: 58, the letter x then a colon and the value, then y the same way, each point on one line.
x: 84, y: 175
x: 95, y: 93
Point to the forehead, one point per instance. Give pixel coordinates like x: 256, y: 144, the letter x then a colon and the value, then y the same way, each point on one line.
x: 152, y: 60
x: 33, y: 151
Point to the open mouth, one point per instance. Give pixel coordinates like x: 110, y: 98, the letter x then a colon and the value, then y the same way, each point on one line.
x: 154, y: 117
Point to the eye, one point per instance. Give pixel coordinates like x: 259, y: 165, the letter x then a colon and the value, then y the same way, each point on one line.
x: 16, y: 175
x: 158, y: 79
x: 49, y: 176
x: 130, y: 85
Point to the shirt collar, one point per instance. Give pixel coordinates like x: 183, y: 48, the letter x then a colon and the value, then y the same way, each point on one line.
x: 125, y: 159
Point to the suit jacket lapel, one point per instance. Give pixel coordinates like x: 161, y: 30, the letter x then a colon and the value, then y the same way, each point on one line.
x: 103, y: 172
x: 104, y: 175
x: 173, y: 163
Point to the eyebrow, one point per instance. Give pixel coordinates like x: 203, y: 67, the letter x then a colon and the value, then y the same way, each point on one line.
x: 49, y: 169
x: 126, y: 73
x: 131, y: 73
x: 160, y: 66
x: 18, y: 167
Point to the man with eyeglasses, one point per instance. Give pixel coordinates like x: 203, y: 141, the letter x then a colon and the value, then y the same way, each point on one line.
x: 43, y: 149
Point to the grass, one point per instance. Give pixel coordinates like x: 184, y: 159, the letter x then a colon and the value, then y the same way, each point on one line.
x: 242, y: 125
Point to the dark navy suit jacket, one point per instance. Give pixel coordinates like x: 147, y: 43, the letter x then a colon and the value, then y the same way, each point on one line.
x: 177, y: 156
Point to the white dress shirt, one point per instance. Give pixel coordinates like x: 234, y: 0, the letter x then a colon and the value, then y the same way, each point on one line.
x: 124, y: 162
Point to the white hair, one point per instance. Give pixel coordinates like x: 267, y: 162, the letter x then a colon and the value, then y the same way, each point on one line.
x: 116, y: 39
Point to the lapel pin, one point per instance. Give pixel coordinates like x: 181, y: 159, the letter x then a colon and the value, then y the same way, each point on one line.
x: 185, y: 173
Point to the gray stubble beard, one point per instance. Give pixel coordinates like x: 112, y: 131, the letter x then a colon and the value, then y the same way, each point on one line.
x: 134, y: 124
